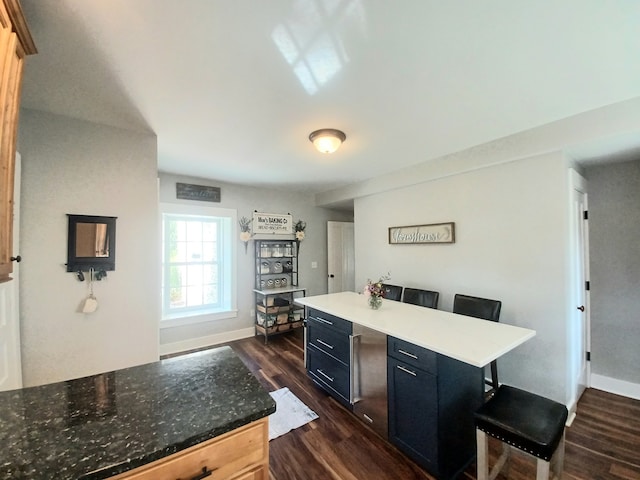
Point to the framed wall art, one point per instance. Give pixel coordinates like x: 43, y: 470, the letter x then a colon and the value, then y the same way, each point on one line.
x: 423, y: 234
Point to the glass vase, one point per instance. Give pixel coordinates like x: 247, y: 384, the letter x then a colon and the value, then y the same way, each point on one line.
x: 375, y: 302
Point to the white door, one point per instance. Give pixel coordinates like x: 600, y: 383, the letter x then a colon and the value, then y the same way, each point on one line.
x: 341, y: 257
x: 579, y: 336
x: 10, y: 363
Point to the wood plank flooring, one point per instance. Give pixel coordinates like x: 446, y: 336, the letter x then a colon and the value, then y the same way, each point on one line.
x: 603, y: 442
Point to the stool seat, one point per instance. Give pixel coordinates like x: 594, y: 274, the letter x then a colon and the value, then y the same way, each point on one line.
x: 523, y: 420
x: 527, y: 421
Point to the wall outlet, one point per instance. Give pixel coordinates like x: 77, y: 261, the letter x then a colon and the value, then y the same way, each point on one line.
x: 314, y: 264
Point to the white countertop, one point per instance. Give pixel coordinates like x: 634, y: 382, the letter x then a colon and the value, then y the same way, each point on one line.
x: 471, y: 340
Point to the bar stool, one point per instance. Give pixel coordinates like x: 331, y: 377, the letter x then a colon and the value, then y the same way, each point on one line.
x: 485, y: 309
x: 424, y: 298
x: 523, y: 420
x: 392, y: 292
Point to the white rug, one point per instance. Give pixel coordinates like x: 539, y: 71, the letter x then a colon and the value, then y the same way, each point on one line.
x: 290, y: 413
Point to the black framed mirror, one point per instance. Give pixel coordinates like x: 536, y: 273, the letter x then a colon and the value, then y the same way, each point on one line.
x: 91, y: 243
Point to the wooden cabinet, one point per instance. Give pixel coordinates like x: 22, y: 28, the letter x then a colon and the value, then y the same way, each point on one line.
x: 15, y: 44
x: 432, y: 399
x: 276, y: 287
x: 242, y: 454
x: 328, y: 354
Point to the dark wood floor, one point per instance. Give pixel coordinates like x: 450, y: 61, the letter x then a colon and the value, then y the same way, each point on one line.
x: 603, y: 442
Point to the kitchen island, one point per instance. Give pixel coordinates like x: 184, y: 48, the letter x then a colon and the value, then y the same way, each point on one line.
x: 412, y: 374
x: 122, y: 422
x: 468, y: 339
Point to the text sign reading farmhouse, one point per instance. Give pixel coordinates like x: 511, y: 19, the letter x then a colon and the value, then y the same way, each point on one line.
x: 272, y: 223
x: 414, y: 234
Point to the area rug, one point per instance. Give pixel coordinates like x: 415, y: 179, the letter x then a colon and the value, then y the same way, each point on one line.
x: 290, y: 413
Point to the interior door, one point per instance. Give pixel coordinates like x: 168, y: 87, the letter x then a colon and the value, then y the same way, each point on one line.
x: 341, y: 257
x: 579, y: 326
x: 10, y: 362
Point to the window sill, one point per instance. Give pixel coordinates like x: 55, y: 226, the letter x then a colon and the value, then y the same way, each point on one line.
x: 196, y: 317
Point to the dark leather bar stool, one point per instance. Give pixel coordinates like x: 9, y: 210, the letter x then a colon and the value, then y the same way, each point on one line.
x: 424, y: 298
x: 486, y: 309
x: 525, y: 421
x: 392, y: 292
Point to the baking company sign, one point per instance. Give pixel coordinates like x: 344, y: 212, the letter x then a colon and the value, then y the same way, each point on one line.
x: 270, y: 223
x: 416, y: 234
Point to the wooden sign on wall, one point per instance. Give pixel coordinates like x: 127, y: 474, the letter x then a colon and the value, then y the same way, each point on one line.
x: 187, y: 191
x: 420, y: 234
x: 270, y: 223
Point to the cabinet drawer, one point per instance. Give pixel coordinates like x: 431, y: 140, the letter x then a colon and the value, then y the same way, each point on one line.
x: 329, y: 372
x: 261, y: 473
x: 412, y: 354
x: 330, y: 321
x: 328, y: 340
x: 226, y: 456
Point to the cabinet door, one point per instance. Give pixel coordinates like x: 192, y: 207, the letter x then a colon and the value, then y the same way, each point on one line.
x: 413, y: 412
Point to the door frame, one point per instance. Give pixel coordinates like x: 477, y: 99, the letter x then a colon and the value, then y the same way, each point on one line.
x: 579, y: 323
x: 9, y: 301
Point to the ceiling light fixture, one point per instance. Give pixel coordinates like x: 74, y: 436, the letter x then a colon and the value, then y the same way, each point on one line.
x: 327, y: 140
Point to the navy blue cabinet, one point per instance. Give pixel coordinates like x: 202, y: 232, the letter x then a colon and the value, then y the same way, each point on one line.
x: 432, y: 399
x: 327, y: 350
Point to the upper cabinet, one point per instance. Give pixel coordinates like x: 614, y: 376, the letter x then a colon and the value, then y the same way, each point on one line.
x: 15, y: 44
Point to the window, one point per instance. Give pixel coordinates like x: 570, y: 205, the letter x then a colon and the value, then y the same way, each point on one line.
x: 198, y: 263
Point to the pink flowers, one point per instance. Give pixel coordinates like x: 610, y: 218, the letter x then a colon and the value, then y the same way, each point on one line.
x: 375, y: 288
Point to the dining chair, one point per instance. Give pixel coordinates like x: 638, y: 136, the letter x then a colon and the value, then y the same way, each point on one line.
x: 392, y: 292
x: 424, y: 298
x: 484, y: 309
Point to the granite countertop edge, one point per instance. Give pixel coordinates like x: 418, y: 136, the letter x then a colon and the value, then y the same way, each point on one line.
x: 133, y: 463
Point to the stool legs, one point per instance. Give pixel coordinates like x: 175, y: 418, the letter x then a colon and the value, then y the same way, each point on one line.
x: 482, y: 457
x: 543, y: 467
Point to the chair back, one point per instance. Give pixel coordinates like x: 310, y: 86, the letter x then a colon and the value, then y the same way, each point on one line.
x: 392, y: 292
x: 424, y: 298
x: 483, y: 308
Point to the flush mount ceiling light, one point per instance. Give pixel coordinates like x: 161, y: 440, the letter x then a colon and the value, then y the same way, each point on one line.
x: 327, y: 140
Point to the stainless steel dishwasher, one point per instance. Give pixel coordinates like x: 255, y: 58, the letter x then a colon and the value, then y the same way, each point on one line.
x: 369, y: 377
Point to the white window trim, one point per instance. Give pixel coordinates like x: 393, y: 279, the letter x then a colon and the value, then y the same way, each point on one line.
x: 179, y: 320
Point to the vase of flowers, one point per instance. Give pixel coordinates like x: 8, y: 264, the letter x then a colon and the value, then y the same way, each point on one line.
x: 299, y: 228
x: 245, y: 231
x: 374, y: 292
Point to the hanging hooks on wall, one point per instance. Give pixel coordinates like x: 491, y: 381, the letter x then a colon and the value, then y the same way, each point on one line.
x: 96, y: 275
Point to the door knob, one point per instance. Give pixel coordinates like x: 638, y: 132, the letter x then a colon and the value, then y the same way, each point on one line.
x: 581, y: 308
x: 331, y: 275
x: 16, y: 259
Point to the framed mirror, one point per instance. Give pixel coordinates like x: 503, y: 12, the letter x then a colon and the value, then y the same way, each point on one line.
x: 91, y: 243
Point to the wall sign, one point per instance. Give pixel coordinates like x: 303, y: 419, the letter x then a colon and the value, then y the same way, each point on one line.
x: 187, y: 191
x: 271, y: 223
x: 418, y: 234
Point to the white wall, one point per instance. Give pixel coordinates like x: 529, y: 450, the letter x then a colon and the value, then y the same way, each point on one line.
x: 72, y: 166
x: 511, y: 229
x: 245, y: 200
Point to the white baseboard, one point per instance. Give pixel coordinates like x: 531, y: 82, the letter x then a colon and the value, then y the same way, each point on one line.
x: 208, y: 341
x: 619, y: 387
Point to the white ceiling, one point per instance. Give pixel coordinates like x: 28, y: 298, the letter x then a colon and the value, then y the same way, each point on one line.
x: 232, y: 88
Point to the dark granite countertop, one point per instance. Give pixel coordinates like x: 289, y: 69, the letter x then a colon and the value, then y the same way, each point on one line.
x: 96, y: 427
